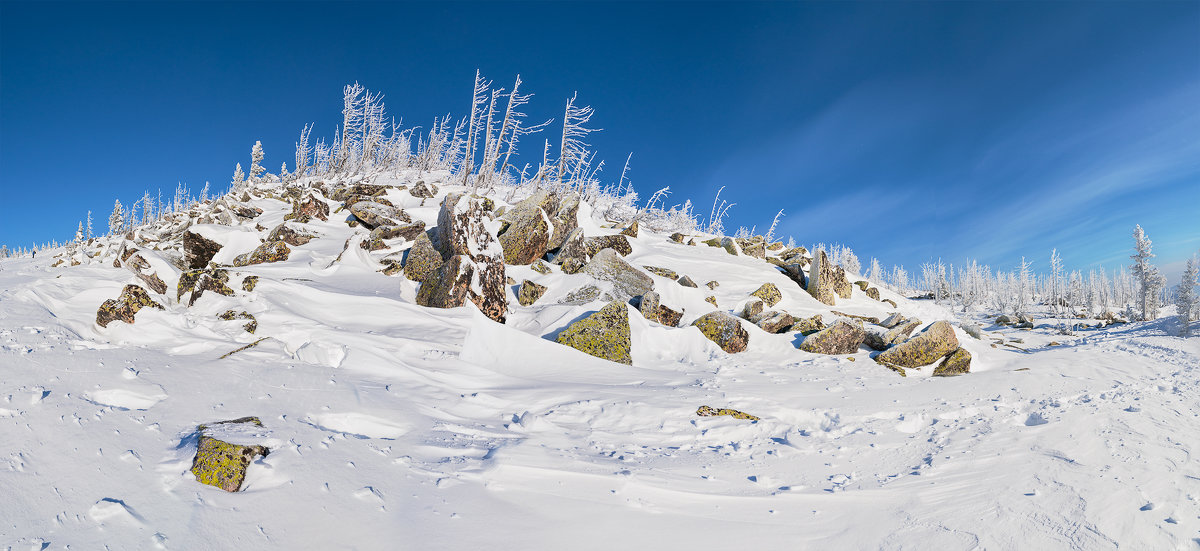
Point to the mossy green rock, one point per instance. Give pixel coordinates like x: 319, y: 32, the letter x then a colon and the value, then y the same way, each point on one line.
x: 842, y: 337
x: 131, y: 300
x: 955, y: 363
x: 927, y: 347
x: 530, y: 292
x: 270, y: 251
x: 527, y: 234
x: 249, y: 283
x: 725, y: 330
x: 197, y: 282
x: 222, y: 464
x: 422, y: 259
x: 769, y: 294
x: 808, y: 326
x: 604, y: 334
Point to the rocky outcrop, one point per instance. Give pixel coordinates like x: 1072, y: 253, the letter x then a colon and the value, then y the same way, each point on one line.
x: 842, y: 337
x: 422, y: 259
x: 627, y: 280
x: 927, y: 347
x: 841, y: 285
x: 573, y: 249
x: 754, y: 246
x: 269, y: 251
x: 222, y: 464
x: 564, y: 218
x: 529, y: 292
x: 463, y: 231
x: 651, y: 307
x: 198, y: 250
x: 131, y: 300
x: 821, y: 279
x: 604, y: 334
x: 373, y: 214
x: 957, y: 362
x: 725, y: 330
x: 769, y: 294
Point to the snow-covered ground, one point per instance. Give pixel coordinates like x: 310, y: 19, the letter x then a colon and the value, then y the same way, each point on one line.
x: 394, y: 426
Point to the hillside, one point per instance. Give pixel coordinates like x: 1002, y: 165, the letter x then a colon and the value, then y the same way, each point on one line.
x: 390, y: 424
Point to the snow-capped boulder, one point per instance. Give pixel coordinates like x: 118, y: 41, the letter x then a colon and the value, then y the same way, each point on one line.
x: 652, y: 308
x: 821, y: 279
x: 627, y: 280
x: 421, y: 259
x: 529, y: 292
x: 926, y: 347
x: 893, y: 320
x: 223, y: 464
x: 308, y: 206
x: 755, y: 246
x: 582, y: 295
x: 527, y: 236
x: 725, y: 330
x: 421, y: 190
x: 775, y: 321
x: 131, y: 300
x: 955, y: 363
x: 198, y: 250
x: 465, y: 229
x: 842, y: 337
x: 378, y: 236
x: 604, y: 334
x: 373, y: 214
x: 448, y: 285
x: 808, y: 326
x: 292, y: 233
x: 564, y: 218
x: 752, y: 308
x: 769, y: 294
x: 883, y: 340
x: 197, y: 282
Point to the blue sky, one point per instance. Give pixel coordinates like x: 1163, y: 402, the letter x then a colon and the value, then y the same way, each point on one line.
x: 908, y: 131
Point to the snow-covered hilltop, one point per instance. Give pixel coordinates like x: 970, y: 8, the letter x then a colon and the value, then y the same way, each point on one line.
x: 405, y: 342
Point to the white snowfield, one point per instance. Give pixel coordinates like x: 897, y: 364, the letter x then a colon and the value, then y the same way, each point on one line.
x: 394, y: 426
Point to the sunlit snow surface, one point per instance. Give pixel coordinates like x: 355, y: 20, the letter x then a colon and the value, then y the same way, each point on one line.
x: 393, y: 426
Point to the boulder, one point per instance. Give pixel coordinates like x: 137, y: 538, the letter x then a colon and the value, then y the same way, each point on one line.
x: 677, y: 237
x: 714, y: 242
x: 893, y: 320
x: 821, y: 279
x: 220, y: 463
x: 651, y: 307
x: 712, y: 284
x: 842, y: 337
x: 422, y: 259
x: 711, y: 300
x: 270, y: 251
x: 893, y: 336
x: 527, y: 236
x: 564, y: 218
x: 249, y: 283
x: 974, y: 330
x: 669, y: 274
x: 307, y: 207
x: 755, y: 247
x: 572, y: 248
x: 725, y: 330
x: 582, y: 295
x: 141, y: 268
x: 373, y: 214
x: 421, y: 190
x: 955, y: 363
x: 926, y: 347
x: 769, y: 294
x: 730, y: 246
x: 617, y: 242
x: 627, y: 280
x: 687, y: 282
x: 463, y: 230
x: 631, y: 230
x: 862, y: 285
x: 198, y: 250
x: 131, y: 300
x: 1004, y: 319
x: 752, y: 308
x: 291, y: 233
x: 708, y: 411
x: 530, y: 292
x: 197, y: 282
x: 540, y: 267
x: 889, y: 301
x: 841, y: 285
x: 604, y: 334
x: 378, y: 239
x: 447, y: 286
x: 872, y: 292
x: 808, y: 326
x: 775, y: 321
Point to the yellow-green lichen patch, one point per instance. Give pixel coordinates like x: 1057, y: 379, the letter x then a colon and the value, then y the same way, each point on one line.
x: 125, y: 306
x: 422, y: 259
x: 927, y: 347
x: 725, y: 330
x: 664, y: 272
x: 604, y: 334
x: 270, y: 251
x: 769, y: 294
x: 249, y: 283
x: 955, y: 363
x: 709, y: 411
x: 222, y: 464
x: 530, y: 292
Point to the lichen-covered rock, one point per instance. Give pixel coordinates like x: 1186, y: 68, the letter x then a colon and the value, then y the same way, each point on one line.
x: 249, y: 283
x: 604, y: 334
x: 862, y: 285
x: 230, y: 315
x: 893, y: 336
x: 447, y: 286
x: 631, y: 230
x: 618, y: 243
x: 131, y: 300
x: 797, y: 255
x: 292, y: 233
x: 669, y: 274
x: 775, y: 322
x: 755, y: 247
x: 872, y: 293
x: 730, y: 246
x: 725, y: 330
x: 220, y: 463
x: 677, y: 237
x: 927, y: 347
x: 530, y: 292
x: 712, y: 284
x: 421, y: 190
x: 708, y: 411
x: 652, y: 308
x: 582, y: 295
x: 808, y: 326
x: 795, y: 272
x: 893, y: 320
x: 627, y: 280
x: 841, y: 285
x: 529, y: 229
x: 821, y: 279
x: 540, y: 267
x: 752, y: 308
x: 270, y: 251
x: 711, y: 300
x: 769, y: 294
x: 197, y: 282
x: 307, y: 207
x: 373, y: 214
x: 422, y: 259
x: 572, y: 266
x: 955, y: 363
x: 378, y: 239
x: 573, y: 248
x: 565, y: 219
x: 463, y: 230
x: 714, y: 242
x: 842, y: 337
x: 198, y: 250
x: 686, y: 281
x: 369, y: 190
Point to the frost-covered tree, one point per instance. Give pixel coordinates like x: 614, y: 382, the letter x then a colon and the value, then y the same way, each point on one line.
x: 239, y: 178
x: 1149, y: 281
x: 79, y: 233
x: 572, y: 150
x: 874, y: 273
x: 116, y: 220
x: 88, y: 235
x: 774, y: 223
x: 1187, y: 306
x: 1056, y: 276
x: 147, y: 209
x: 256, y: 157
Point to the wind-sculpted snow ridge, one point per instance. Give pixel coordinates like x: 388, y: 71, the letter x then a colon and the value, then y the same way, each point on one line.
x: 395, y: 425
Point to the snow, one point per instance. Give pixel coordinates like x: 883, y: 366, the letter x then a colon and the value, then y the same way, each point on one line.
x: 389, y: 422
